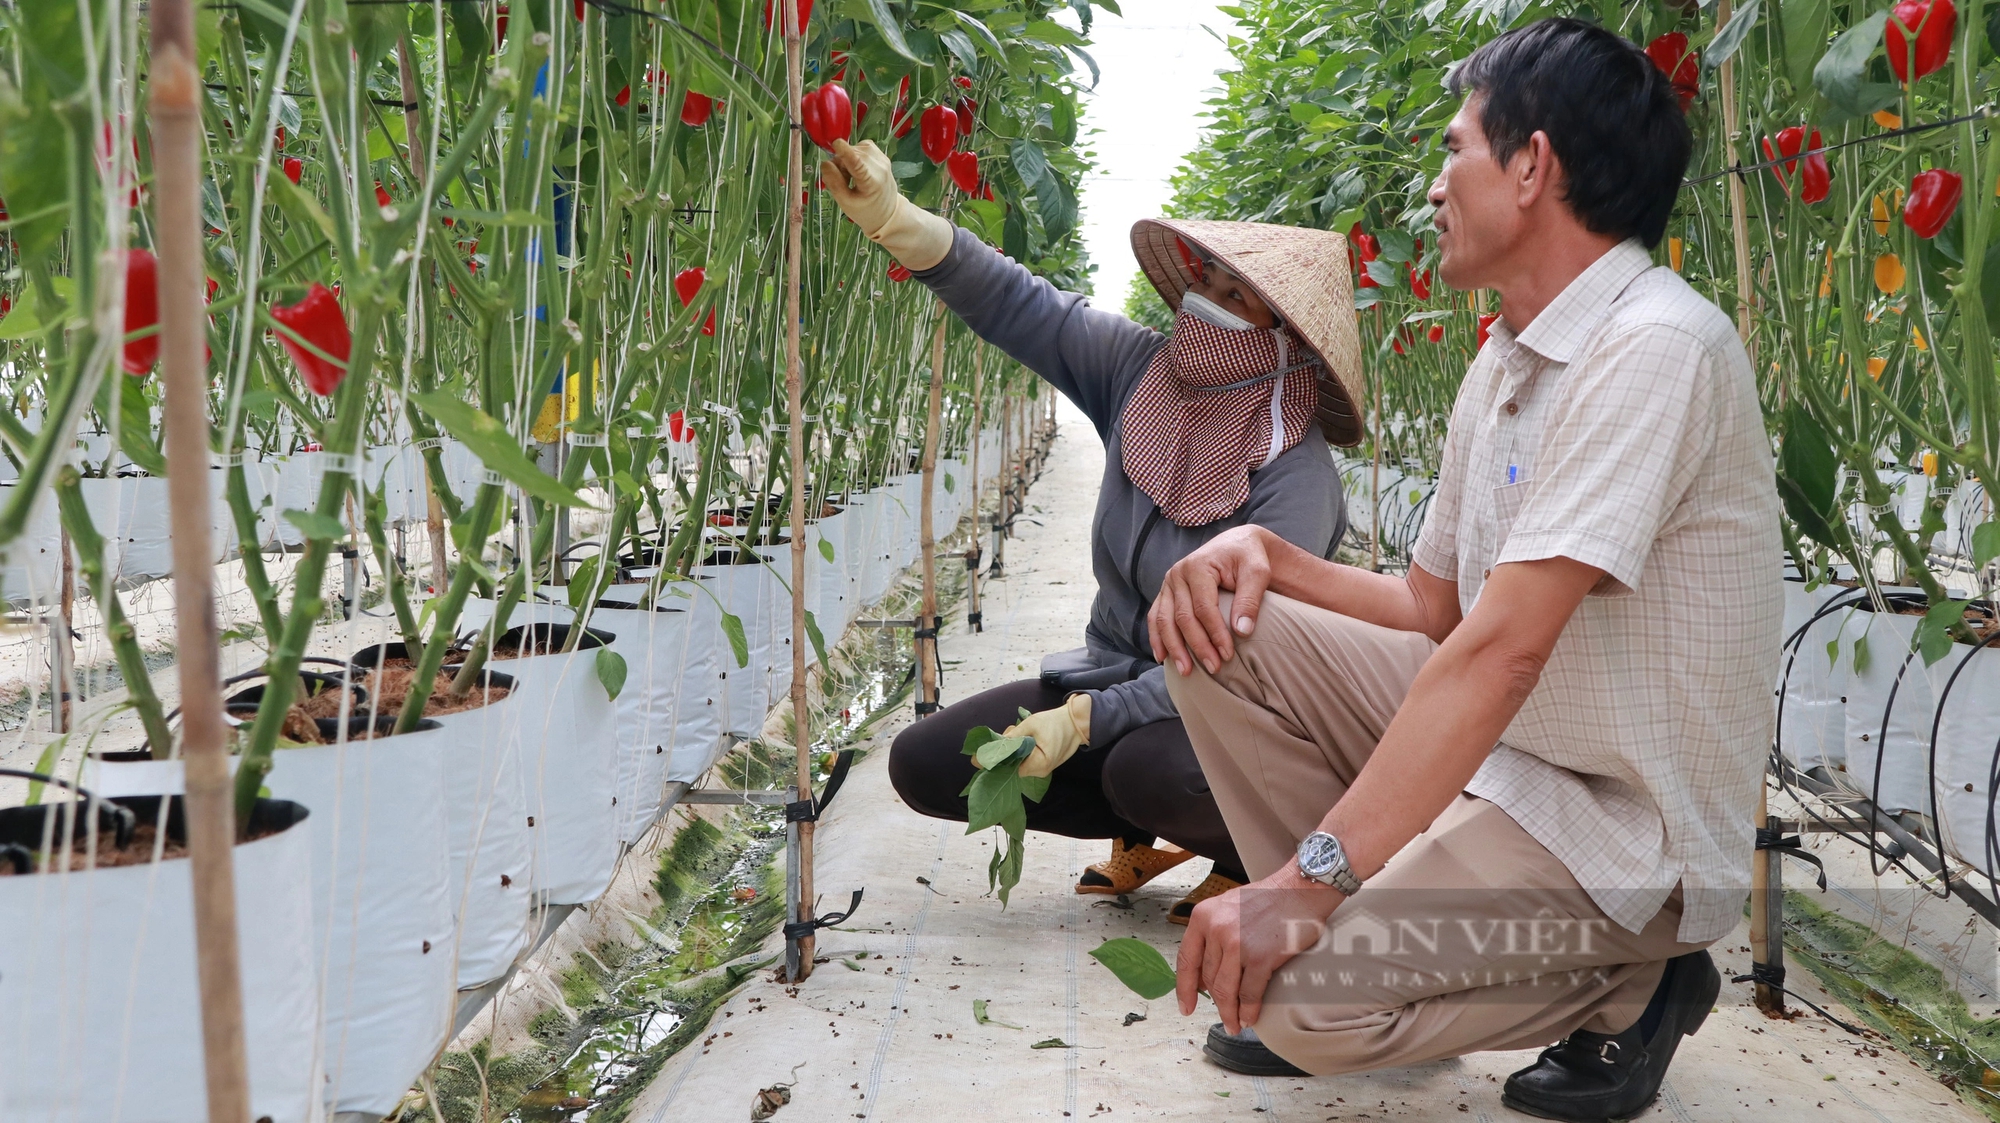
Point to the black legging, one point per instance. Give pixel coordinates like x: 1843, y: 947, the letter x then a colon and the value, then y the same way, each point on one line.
x: 1145, y: 784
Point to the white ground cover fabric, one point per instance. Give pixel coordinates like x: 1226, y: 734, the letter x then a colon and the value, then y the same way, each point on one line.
x: 100, y: 1016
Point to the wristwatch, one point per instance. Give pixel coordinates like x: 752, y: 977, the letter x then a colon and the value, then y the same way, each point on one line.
x: 1323, y: 859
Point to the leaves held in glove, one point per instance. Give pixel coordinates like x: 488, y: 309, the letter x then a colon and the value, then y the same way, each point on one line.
x: 1138, y: 965
x: 995, y: 797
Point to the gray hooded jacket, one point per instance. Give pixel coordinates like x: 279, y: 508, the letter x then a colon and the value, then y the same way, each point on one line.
x: 1096, y: 359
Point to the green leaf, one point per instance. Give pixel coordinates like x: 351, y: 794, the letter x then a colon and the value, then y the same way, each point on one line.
x: 611, y: 671
x: 981, y: 1017
x: 1861, y: 656
x: 1138, y: 964
x: 892, y: 31
x: 135, y: 427
x: 1723, y: 47
x: 1056, y: 202
x: 826, y: 549
x: 29, y: 317
x: 1397, y: 246
x: 582, y: 583
x: 495, y: 447
x: 1805, y: 37
x: 1808, y: 476
x: 818, y: 640
x: 950, y: 485
x: 318, y: 527
x: 1050, y: 1043
x: 1002, y: 750
x: 1933, y: 638
x: 46, y: 765
x: 1985, y: 543
x: 1029, y: 162
x: 732, y: 626
x: 1842, y: 74
x: 993, y: 799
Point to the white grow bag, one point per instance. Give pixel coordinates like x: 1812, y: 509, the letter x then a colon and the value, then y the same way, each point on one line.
x: 1968, y: 753
x: 490, y: 858
x: 750, y: 593
x: 1902, y: 753
x: 697, y: 658
x: 830, y: 582
x: 381, y: 901
x: 1812, y: 722
x: 565, y: 733
x: 100, y: 1008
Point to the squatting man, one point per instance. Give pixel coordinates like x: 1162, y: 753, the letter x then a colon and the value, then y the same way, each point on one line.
x: 1508, y: 798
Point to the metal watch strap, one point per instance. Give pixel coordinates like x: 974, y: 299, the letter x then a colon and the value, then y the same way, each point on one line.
x: 1341, y: 875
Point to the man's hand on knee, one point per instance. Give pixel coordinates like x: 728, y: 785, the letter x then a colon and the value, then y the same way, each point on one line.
x: 1236, y: 941
x: 1185, y: 623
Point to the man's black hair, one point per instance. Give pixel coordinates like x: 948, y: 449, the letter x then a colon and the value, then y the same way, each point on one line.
x: 1609, y: 112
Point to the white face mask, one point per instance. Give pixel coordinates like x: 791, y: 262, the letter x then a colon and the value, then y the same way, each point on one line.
x: 1208, y: 311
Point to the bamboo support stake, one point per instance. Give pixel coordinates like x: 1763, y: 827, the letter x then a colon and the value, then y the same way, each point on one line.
x: 795, y: 439
x: 176, y: 125
x: 1764, y: 948
x: 927, y: 616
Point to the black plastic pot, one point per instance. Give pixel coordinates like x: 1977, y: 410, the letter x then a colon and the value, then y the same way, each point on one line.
x: 548, y: 639
x: 370, y: 659
x: 22, y: 829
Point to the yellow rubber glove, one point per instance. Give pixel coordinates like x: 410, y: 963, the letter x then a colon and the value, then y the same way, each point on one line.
x: 862, y: 182
x: 1058, y: 733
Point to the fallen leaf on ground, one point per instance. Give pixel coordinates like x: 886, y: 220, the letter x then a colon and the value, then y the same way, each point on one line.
x: 979, y: 1015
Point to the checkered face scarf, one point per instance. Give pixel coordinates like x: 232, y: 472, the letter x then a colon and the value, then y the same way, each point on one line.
x: 1201, y: 419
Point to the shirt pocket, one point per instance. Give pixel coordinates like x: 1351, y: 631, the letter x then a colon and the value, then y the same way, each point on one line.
x: 1507, y: 500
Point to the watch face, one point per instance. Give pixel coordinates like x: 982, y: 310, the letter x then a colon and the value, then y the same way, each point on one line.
x: 1318, y: 853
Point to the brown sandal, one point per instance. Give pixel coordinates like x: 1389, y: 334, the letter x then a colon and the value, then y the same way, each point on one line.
x: 1214, y: 885
x: 1128, y: 868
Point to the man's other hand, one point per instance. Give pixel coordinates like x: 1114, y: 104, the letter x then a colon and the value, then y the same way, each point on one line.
x: 1185, y: 622
x: 1236, y: 941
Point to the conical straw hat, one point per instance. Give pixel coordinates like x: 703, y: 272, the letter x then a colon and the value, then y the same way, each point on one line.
x: 1299, y: 272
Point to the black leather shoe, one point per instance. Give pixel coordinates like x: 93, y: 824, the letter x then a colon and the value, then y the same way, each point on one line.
x: 1242, y: 1052
x: 1587, y: 1077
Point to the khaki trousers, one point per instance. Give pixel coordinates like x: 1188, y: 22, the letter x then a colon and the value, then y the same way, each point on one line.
x: 1473, y: 937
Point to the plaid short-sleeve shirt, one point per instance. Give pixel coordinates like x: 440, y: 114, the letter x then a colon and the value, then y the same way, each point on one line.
x: 1622, y: 429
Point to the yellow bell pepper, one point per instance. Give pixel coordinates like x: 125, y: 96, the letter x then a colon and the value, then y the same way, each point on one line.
x: 1889, y: 273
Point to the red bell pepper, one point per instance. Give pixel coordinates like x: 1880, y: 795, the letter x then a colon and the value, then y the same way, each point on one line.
x: 827, y: 114
x: 1420, y: 283
x: 1486, y: 326
x: 1436, y: 334
x: 964, y: 169
x: 142, y: 310
x: 1365, y: 249
x: 968, y: 112
x: 1681, y: 66
x: 695, y: 109
x: 1815, y: 177
x: 938, y: 133
x: 1931, y: 23
x: 1933, y: 197
x: 898, y: 273
x: 318, y: 320
x: 295, y: 169
x: 677, y: 427
x: 382, y: 198
x: 579, y: 11
x: 901, y: 121
x: 687, y: 283
x: 500, y: 27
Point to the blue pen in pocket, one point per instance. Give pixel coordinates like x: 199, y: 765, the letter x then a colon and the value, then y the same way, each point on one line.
x: 1512, y: 470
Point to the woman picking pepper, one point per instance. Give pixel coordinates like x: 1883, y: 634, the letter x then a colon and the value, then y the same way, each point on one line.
x: 1207, y: 428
